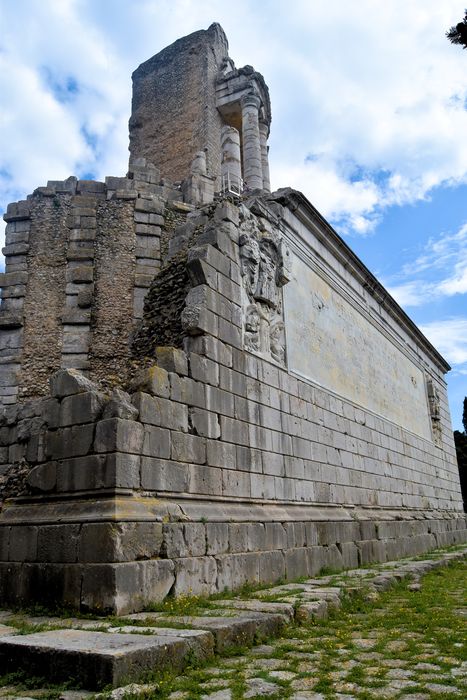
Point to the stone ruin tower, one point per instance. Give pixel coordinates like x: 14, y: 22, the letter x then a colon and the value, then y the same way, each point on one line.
x: 190, y: 98
x: 202, y: 385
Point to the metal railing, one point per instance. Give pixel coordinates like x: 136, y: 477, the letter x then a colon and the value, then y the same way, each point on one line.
x: 233, y: 184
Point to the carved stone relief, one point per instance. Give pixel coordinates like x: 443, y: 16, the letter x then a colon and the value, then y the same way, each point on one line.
x: 435, y: 411
x: 265, y: 268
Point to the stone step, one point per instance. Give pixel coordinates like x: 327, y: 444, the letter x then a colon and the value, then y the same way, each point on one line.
x: 149, y: 642
x: 229, y: 628
x: 97, y: 659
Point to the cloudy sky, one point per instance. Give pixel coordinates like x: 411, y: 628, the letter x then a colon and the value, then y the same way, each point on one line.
x: 369, y: 121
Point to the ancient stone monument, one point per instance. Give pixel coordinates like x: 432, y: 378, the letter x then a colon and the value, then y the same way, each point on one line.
x: 202, y: 384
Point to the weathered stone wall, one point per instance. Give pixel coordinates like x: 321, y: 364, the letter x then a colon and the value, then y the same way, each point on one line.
x: 260, y: 432
x: 44, y: 281
x: 80, y: 257
x: 174, y: 111
x: 139, y: 525
x: 219, y: 466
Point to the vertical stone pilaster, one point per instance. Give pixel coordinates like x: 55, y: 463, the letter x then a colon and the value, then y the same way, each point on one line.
x: 252, y: 164
x: 76, y: 317
x: 263, y: 137
x: 149, y: 220
x: 13, y: 283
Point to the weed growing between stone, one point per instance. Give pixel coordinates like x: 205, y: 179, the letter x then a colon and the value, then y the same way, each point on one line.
x: 410, y: 644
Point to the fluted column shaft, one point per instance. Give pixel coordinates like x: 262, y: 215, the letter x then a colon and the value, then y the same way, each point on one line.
x: 252, y: 163
x: 263, y: 138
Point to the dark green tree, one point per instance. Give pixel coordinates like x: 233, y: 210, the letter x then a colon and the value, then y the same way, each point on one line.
x: 458, y: 34
x: 460, y: 441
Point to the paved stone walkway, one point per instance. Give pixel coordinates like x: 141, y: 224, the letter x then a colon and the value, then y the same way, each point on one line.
x: 407, y: 643
x: 388, y: 651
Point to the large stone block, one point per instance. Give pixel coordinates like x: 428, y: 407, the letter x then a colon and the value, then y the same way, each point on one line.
x: 119, y: 542
x: 67, y: 382
x: 126, y: 587
x: 371, y: 551
x: 4, y: 542
x: 58, y: 543
x: 184, y: 540
x: 119, y: 406
x: 349, y: 552
x: 152, y: 380
x: 43, y: 478
x: 99, y: 659
x: 165, y: 413
x: 212, y: 348
x: 217, y: 538
x: 272, y: 567
x: 172, y: 360
x: 114, y: 470
x: 70, y: 442
x: 205, y: 423
x: 85, y: 407
x: 204, y: 370
x: 23, y: 543
x: 187, y: 391
x: 195, y: 576
x: 205, y: 480
x: 119, y: 435
x: 157, y: 442
x: 236, y: 570
x: 164, y: 475
x: 188, y: 448
x: 197, y: 319
x: 236, y: 483
x: 297, y: 562
x: 238, y: 537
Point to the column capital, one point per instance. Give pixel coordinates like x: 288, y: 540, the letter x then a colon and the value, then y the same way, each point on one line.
x: 251, y: 100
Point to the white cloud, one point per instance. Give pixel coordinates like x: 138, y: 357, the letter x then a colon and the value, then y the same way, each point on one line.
x: 376, y: 94
x: 411, y: 293
x: 384, y: 90
x: 350, y: 203
x: 439, y: 252
x: 446, y: 252
x: 449, y: 336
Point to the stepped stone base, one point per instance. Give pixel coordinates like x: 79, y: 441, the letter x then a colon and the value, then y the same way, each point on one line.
x: 117, y: 555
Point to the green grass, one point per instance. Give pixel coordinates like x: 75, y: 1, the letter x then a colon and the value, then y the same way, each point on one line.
x: 427, y: 616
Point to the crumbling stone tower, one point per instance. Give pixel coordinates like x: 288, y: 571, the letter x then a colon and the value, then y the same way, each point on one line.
x: 190, y: 103
x: 202, y: 385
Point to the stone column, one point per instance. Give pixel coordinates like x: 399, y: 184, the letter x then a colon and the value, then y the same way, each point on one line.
x: 263, y: 138
x: 231, y: 161
x: 252, y: 166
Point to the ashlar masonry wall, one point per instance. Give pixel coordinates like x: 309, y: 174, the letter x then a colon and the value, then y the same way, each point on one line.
x: 216, y: 464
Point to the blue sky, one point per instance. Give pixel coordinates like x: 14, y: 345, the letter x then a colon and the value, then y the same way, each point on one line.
x: 369, y: 121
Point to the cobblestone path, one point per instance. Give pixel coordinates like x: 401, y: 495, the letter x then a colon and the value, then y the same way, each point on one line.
x: 410, y: 644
